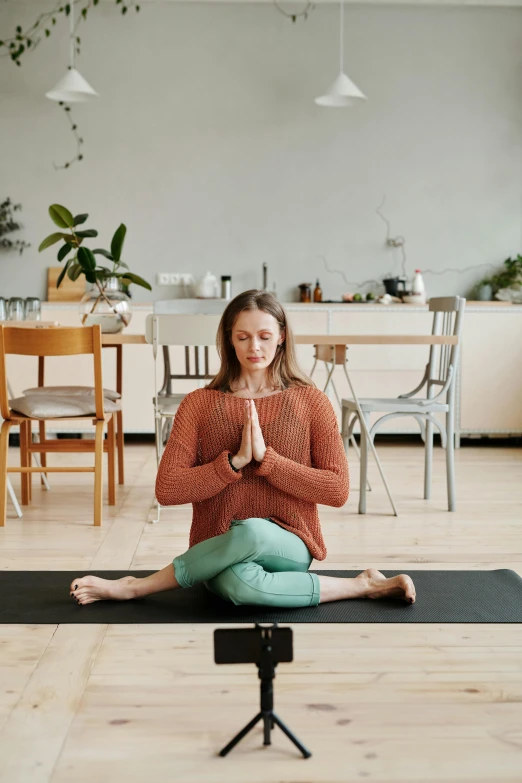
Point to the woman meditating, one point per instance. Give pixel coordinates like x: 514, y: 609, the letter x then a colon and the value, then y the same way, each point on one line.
x: 254, y: 452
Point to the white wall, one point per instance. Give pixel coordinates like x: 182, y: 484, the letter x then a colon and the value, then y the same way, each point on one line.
x: 206, y: 142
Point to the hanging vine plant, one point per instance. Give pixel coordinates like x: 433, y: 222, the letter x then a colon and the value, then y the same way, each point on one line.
x: 25, y: 40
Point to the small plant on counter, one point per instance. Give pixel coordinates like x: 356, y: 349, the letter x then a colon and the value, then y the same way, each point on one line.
x: 8, y: 224
x: 83, y: 261
x: 509, y: 274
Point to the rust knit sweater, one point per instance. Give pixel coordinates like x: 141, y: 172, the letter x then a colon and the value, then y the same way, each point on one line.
x: 304, y: 463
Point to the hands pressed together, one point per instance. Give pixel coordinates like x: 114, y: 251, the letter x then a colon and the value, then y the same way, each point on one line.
x: 252, y: 441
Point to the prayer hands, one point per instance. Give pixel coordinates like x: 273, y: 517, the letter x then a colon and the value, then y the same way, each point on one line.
x: 252, y: 441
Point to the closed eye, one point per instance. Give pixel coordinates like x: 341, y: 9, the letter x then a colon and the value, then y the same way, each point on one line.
x: 246, y: 338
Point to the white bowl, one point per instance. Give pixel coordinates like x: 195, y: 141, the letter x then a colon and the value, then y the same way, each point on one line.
x: 418, y: 299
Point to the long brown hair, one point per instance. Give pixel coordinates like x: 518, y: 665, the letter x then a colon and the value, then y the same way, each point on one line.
x: 284, y: 371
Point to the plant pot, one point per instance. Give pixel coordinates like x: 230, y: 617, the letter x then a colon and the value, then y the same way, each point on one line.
x: 485, y: 293
x: 106, y: 306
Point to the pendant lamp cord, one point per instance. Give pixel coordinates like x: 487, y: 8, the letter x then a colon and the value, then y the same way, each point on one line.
x: 72, y: 46
x: 341, y: 36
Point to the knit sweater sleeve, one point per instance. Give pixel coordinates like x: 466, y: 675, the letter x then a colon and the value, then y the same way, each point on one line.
x: 179, y: 480
x: 327, y: 480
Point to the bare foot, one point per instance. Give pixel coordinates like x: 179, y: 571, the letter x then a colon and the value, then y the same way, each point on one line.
x: 378, y: 586
x: 87, y: 589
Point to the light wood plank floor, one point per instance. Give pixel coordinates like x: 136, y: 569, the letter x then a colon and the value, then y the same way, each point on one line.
x: 420, y: 703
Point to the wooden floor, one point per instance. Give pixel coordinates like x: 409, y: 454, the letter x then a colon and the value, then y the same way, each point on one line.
x: 394, y: 703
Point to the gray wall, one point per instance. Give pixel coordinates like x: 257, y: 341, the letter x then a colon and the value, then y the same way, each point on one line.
x: 206, y: 142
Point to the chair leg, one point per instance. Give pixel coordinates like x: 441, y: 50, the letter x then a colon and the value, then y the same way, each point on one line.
x: 14, y: 499
x: 120, y: 440
x: 363, y: 476
x: 428, y: 458
x: 450, y: 458
x: 28, y: 440
x: 158, y: 429
x: 98, y: 472
x: 24, y: 464
x: 42, y: 455
x: 111, y: 447
x: 4, y: 450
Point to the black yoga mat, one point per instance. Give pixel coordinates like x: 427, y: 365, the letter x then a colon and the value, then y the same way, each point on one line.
x: 442, y: 597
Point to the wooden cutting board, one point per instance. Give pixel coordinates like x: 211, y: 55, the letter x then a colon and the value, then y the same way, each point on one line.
x: 69, y: 291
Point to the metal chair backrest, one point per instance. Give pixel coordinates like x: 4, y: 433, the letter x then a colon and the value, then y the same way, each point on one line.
x: 443, y: 360
x: 191, y: 331
x: 64, y: 341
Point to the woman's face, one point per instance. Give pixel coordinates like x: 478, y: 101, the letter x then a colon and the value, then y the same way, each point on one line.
x: 255, y: 337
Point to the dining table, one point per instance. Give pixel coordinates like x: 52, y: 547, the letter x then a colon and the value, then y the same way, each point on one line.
x: 330, y: 348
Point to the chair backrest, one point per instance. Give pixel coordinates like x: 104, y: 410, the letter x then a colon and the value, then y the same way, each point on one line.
x: 191, y: 331
x: 66, y: 341
x: 443, y: 361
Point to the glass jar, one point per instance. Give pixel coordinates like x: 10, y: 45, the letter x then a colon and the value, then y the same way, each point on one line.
x: 16, y: 309
x: 107, y: 306
x: 33, y: 308
x: 305, y: 292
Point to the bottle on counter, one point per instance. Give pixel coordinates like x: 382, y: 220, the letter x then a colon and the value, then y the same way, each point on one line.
x: 318, y: 293
x: 226, y: 287
x: 417, y: 286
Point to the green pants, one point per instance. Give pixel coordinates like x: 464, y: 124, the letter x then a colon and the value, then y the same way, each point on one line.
x: 255, y: 562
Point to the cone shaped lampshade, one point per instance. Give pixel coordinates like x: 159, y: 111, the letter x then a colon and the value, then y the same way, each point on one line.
x: 342, y: 92
x: 72, y: 88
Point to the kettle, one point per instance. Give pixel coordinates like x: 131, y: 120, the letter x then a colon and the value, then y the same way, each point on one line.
x: 207, y: 287
x: 395, y: 285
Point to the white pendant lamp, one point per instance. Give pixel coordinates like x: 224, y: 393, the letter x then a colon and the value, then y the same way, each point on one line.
x: 72, y: 88
x: 342, y: 92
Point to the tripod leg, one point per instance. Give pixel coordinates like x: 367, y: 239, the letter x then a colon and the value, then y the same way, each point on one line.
x: 267, y: 725
x: 306, y: 753
x: 233, y: 742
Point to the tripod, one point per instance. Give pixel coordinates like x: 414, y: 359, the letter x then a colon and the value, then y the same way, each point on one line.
x: 266, y: 668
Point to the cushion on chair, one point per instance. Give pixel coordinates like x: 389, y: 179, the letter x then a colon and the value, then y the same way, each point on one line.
x: 53, y: 406
x: 71, y: 391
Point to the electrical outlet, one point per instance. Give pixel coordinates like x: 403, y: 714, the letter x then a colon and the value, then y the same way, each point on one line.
x: 162, y: 278
x: 174, y: 278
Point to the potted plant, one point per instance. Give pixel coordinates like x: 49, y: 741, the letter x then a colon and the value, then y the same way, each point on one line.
x: 106, y: 304
x: 485, y: 290
x: 508, y: 277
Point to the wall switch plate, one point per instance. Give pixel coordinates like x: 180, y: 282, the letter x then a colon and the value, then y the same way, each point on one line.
x: 174, y: 278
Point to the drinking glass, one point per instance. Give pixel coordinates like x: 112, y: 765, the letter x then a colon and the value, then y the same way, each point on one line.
x: 33, y: 309
x: 3, y: 309
x: 15, y: 309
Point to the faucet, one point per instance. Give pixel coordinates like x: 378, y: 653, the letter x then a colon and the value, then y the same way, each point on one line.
x: 265, y: 276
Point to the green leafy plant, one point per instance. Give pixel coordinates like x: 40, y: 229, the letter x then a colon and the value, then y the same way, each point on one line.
x: 8, y: 223
x: 23, y: 41
x: 83, y: 261
x: 510, y: 273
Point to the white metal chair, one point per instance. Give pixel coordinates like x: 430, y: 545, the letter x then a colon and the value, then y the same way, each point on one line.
x: 190, y: 331
x: 440, y: 379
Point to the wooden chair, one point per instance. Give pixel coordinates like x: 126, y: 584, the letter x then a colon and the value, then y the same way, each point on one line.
x: 56, y: 342
x: 109, y: 393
